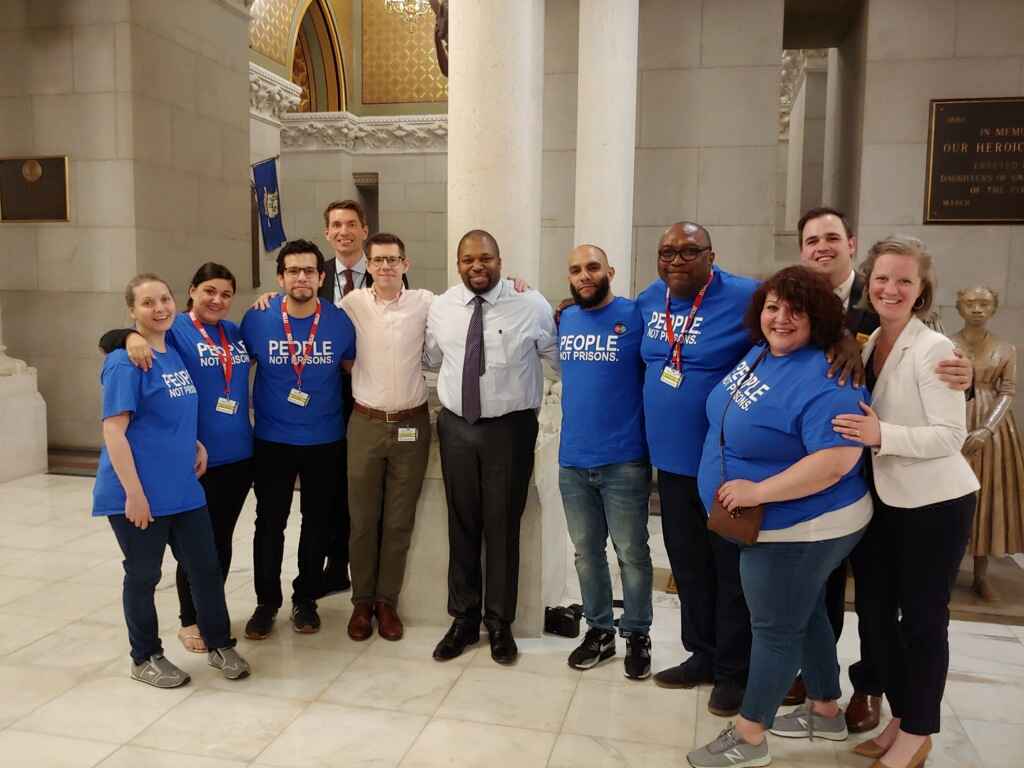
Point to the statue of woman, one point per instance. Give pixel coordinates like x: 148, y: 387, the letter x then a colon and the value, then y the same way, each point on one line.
x: 993, y: 445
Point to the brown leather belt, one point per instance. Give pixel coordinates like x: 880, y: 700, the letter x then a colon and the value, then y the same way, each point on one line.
x: 390, y: 416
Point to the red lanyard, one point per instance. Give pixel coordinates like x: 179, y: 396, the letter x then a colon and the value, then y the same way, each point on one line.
x: 223, y: 351
x: 296, y: 363
x: 676, y: 345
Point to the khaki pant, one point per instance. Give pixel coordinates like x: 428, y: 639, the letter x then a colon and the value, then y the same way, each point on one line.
x: 384, y: 480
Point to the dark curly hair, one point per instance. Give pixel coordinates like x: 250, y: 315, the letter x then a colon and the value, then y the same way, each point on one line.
x: 806, y: 292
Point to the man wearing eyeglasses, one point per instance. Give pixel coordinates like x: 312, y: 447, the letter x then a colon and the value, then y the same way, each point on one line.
x: 388, y: 434
x: 694, y: 335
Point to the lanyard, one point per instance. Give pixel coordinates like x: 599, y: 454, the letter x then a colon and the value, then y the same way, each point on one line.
x: 729, y: 396
x: 223, y: 351
x: 296, y: 363
x: 341, y: 286
x: 676, y: 345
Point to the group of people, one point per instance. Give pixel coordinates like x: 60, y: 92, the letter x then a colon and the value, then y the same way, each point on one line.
x: 743, y: 396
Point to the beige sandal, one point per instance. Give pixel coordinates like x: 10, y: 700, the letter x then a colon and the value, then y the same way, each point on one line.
x: 191, y: 639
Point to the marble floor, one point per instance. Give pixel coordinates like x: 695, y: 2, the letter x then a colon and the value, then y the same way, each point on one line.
x: 323, y: 700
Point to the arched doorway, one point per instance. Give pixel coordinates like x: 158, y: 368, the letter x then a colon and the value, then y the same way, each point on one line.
x: 317, y: 64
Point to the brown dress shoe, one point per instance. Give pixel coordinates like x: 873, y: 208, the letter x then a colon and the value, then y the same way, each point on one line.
x: 388, y: 624
x: 797, y: 693
x: 863, y: 712
x: 360, y: 626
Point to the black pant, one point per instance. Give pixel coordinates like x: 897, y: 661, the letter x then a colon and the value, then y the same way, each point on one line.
x: 226, y: 488
x: 320, y: 469
x: 706, y: 567
x: 906, y: 607
x: 486, y: 468
x: 191, y: 541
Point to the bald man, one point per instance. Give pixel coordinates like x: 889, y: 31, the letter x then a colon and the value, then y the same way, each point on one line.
x: 604, y: 474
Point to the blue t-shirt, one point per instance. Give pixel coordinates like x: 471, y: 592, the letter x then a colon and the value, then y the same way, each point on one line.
x: 277, y: 419
x: 782, y: 413
x: 162, y: 434
x: 602, y: 385
x: 674, y: 417
x: 228, y: 438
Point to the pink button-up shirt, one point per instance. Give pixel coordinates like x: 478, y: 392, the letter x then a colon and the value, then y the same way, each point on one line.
x: 387, y: 373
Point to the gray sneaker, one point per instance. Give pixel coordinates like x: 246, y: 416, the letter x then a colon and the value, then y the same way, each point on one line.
x: 159, y: 672
x: 228, y: 661
x: 729, y: 750
x: 803, y: 723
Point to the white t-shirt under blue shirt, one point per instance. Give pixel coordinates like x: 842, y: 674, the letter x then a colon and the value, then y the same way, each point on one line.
x: 602, y: 385
x: 163, y: 404
x: 278, y: 420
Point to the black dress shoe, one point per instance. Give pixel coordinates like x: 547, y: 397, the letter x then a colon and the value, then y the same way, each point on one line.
x: 691, y: 673
x: 797, y: 693
x: 460, y: 635
x: 335, y: 578
x: 503, y: 645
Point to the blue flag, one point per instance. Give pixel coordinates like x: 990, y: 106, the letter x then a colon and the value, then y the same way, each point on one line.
x: 268, y: 199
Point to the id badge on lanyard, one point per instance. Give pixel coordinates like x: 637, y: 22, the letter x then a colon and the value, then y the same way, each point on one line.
x: 296, y: 396
x: 672, y: 374
x: 225, y: 404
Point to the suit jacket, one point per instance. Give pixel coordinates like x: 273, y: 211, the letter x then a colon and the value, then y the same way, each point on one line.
x: 923, y: 423
x: 331, y: 269
x: 859, y: 321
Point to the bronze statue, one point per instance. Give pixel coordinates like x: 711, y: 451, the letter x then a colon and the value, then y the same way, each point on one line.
x: 441, y: 33
x: 993, y: 445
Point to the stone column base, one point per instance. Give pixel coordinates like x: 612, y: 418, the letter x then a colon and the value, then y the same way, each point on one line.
x: 23, y: 426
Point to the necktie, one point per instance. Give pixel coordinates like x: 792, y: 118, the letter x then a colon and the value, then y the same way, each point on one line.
x: 473, y: 365
x: 349, y: 285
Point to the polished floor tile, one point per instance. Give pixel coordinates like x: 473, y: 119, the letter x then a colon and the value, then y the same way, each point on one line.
x: 404, y: 685
x: 525, y: 701
x: 141, y: 757
x: 477, y: 745
x: 21, y: 749
x: 573, y: 751
x: 633, y: 711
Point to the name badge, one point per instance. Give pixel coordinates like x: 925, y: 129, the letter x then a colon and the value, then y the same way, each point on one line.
x: 671, y: 377
x: 298, y: 397
x: 407, y: 434
x: 224, y: 405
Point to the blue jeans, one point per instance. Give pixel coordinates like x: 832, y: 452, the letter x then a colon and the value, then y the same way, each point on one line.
x: 191, y: 538
x: 784, y: 583
x: 610, y: 500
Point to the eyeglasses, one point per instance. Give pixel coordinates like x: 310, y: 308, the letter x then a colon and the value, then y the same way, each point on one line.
x: 296, y: 271
x: 668, y: 255
x: 391, y: 261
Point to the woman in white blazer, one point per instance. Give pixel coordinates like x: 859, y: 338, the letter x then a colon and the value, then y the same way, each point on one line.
x: 924, y: 496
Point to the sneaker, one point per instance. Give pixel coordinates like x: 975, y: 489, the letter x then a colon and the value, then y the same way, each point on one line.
x: 597, y: 646
x: 730, y: 751
x: 638, y: 656
x: 228, y: 661
x: 305, y: 619
x: 689, y: 674
x: 725, y: 698
x: 804, y: 723
x: 159, y: 672
x: 261, y: 624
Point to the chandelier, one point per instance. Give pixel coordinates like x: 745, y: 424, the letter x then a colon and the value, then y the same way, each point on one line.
x: 409, y: 10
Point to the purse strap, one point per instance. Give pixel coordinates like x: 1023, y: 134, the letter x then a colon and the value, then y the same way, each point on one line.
x: 728, y: 402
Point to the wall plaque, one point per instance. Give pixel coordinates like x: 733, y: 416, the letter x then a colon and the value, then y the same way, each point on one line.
x: 33, y: 189
x: 975, y: 171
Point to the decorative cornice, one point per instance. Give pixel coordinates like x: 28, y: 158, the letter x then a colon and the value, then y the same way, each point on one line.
x: 365, y: 135
x: 270, y: 95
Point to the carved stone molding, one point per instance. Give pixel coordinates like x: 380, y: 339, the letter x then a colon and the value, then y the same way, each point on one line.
x: 794, y: 64
x: 365, y: 135
x: 270, y: 95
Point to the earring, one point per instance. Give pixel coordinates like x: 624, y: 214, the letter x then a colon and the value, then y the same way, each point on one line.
x: 919, y: 303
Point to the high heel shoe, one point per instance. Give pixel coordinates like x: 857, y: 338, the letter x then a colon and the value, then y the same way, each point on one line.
x: 918, y: 759
x: 869, y: 748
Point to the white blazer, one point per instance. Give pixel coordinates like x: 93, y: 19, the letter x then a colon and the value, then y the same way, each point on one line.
x: 923, y: 423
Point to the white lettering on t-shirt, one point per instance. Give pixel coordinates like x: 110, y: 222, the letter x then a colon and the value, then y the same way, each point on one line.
x: 656, y: 326
x: 588, y: 347
x: 179, y: 384
x: 210, y: 356
x: 751, y: 391
x: 318, y: 353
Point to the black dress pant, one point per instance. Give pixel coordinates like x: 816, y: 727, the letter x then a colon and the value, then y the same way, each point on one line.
x: 321, y: 471
x: 706, y: 567
x: 486, y: 468
x: 226, y: 487
x: 909, y: 605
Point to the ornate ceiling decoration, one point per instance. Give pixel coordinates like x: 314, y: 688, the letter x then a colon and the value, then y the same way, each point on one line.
x: 399, y: 62
x: 270, y: 28
x: 369, y: 135
x: 271, y: 96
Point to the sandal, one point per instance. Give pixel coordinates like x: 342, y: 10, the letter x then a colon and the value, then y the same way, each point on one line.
x: 191, y: 639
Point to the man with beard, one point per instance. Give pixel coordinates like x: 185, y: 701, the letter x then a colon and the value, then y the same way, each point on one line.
x: 488, y: 340
x: 604, y: 475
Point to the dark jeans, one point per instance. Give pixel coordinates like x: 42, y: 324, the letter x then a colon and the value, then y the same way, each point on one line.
x: 320, y: 469
x: 907, y: 605
x: 486, y: 468
x: 191, y: 540
x: 226, y: 488
x: 706, y: 567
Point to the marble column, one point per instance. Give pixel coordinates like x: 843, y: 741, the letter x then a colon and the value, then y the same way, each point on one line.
x: 606, y: 132
x: 22, y: 418
x: 495, y: 111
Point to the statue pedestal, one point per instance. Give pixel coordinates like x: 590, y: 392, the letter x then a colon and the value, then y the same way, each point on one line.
x: 22, y: 423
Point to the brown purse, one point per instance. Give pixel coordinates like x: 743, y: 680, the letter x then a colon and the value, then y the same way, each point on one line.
x: 743, y: 524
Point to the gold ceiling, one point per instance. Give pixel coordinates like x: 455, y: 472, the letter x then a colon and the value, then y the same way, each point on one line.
x: 399, y: 63
x: 270, y: 29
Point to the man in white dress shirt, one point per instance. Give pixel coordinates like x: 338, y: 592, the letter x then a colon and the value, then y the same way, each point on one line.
x: 489, y: 341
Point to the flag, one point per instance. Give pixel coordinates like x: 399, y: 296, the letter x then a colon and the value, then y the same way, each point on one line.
x: 268, y: 198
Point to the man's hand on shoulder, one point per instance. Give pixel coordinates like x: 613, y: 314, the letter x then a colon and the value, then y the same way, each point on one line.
x: 263, y: 302
x: 956, y: 372
x: 844, y: 358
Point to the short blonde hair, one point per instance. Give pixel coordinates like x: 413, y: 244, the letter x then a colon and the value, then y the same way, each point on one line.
x: 135, y: 282
x: 903, y: 245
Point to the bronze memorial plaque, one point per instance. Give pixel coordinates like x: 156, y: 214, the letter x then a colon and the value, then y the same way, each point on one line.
x: 33, y: 189
x: 975, y: 162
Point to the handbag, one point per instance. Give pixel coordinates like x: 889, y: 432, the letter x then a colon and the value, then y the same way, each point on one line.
x: 743, y: 524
